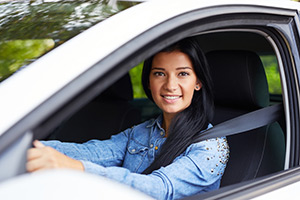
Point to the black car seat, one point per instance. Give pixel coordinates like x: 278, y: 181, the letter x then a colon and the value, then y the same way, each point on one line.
x: 107, y: 114
x: 240, y: 86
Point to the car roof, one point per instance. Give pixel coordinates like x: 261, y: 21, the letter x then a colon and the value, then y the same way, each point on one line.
x: 29, y: 88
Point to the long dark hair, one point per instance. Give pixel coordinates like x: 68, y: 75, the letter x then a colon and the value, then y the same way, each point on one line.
x: 191, y: 121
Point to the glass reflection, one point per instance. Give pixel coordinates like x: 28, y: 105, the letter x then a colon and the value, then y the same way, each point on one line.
x: 29, y: 29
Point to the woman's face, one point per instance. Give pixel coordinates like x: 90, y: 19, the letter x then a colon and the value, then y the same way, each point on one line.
x: 172, y: 81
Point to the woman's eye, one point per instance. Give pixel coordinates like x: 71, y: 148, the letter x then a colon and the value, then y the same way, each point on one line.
x: 159, y: 74
x: 183, y: 74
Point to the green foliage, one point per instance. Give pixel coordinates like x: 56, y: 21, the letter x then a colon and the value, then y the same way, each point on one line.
x: 17, y: 53
x: 272, y: 73
x: 136, y: 79
x: 31, y: 28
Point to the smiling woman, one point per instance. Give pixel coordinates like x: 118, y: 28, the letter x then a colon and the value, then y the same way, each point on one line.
x: 158, y: 157
x: 172, y: 82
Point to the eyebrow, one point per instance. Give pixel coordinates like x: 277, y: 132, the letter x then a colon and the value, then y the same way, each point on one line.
x: 179, y: 68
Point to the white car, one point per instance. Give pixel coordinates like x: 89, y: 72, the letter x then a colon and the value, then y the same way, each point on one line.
x: 66, y: 66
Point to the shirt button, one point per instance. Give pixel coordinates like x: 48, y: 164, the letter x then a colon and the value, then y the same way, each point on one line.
x: 133, y: 150
x: 156, y: 147
x: 161, y: 133
x: 151, y: 145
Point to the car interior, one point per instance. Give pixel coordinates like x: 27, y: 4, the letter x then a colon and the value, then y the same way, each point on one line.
x: 109, y: 113
x: 240, y: 86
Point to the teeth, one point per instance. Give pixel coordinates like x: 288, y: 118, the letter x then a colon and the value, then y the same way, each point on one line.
x: 171, y: 97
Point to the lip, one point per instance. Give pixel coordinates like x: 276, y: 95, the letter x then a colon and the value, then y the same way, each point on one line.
x: 171, y: 98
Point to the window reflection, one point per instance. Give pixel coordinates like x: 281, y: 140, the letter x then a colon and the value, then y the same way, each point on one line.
x: 31, y: 28
x: 17, y: 53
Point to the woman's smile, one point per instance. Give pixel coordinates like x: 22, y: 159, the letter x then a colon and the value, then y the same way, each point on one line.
x: 171, y: 98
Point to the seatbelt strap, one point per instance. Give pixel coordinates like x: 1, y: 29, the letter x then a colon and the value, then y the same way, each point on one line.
x: 243, y: 123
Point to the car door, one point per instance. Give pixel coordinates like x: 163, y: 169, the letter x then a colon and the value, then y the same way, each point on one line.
x: 278, y: 26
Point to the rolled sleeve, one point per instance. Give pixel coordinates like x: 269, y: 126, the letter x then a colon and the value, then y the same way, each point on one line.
x: 106, y: 153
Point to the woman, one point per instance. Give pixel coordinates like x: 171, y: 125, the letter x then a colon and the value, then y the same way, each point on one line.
x: 158, y: 156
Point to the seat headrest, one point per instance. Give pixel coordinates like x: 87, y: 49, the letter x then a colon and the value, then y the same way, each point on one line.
x: 120, y: 90
x: 239, y: 79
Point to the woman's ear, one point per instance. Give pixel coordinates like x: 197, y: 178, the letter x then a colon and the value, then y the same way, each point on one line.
x: 198, y: 86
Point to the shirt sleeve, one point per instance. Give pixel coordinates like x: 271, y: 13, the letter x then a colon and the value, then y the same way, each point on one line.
x: 106, y: 153
x: 199, y: 169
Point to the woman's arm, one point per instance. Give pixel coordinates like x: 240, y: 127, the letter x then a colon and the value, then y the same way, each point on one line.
x: 200, y: 169
x: 106, y: 153
x: 43, y: 157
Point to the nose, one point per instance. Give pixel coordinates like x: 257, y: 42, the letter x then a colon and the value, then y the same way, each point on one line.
x: 171, y: 83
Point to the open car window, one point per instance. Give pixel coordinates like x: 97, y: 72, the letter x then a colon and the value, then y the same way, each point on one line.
x: 131, y: 103
x: 138, y: 103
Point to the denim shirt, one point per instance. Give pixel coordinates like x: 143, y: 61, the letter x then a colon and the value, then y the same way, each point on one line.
x: 126, y: 155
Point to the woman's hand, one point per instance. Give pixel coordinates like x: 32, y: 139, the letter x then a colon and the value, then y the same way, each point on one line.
x: 44, y: 157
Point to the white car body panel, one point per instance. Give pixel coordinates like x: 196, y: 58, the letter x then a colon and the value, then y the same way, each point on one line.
x: 66, y: 184
x: 288, y: 192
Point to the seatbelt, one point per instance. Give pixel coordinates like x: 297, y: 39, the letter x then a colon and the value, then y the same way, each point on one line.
x: 243, y: 123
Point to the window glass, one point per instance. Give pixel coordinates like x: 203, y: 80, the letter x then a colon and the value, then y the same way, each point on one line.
x: 29, y: 29
x: 272, y: 73
x: 17, y: 53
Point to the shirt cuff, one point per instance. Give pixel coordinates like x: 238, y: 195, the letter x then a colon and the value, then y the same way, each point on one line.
x: 93, y: 168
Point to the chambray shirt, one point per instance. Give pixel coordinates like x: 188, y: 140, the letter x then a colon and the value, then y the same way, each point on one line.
x: 126, y: 155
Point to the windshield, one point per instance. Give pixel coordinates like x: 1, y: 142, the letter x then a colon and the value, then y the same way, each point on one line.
x: 29, y: 29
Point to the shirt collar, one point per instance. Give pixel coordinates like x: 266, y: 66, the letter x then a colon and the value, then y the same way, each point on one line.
x: 157, y: 122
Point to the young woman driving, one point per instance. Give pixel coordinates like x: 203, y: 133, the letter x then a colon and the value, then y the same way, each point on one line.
x: 157, y: 157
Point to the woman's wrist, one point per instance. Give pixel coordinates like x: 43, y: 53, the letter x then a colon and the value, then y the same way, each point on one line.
x: 76, y: 164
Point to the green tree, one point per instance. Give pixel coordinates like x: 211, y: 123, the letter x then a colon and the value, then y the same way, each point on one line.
x: 31, y: 28
x: 17, y: 53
